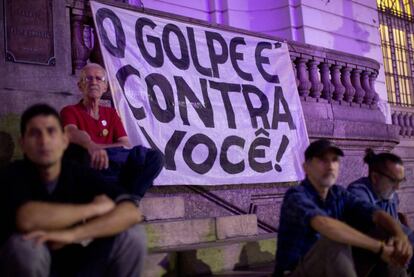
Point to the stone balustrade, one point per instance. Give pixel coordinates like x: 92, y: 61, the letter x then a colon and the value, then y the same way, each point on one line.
x: 403, y: 117
x: 333, y: 76
x: 322, y: 75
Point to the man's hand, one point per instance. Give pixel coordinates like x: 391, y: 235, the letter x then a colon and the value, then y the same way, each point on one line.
x: 402, y: 249
x: 54, y: 239
x: 99, y: 157
x: 102, y: 204
x: 387, y: 252
x: 403, y: 219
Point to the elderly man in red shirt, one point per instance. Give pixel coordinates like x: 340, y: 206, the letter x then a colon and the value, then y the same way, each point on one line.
x: 99, y: 130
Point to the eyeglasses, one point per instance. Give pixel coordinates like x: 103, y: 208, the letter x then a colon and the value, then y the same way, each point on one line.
x: 91, y: 78
x: 393, y: 180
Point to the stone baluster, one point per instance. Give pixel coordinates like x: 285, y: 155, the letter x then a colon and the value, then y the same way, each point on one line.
x: 403, y: 122
x: 316, y: 85
x: 295, y: 71
x: 328, y: 87
x: 356, y: 82
x: 411, y: 120
x: 365, y: 85
x: 80, y: 51
x: 394, y: 118
x: 407, y: 124
x: 400, y: 121
x: 339, y: 91
x: 303, y: 76
x: 372, y: 78
x: 346, y: 81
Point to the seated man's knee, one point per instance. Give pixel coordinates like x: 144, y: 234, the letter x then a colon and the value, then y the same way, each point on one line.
x: 135, y: 237
x: 156, y: 156
x: 333, y: 246
x: 151, y: 159
x: 26, y: 257
x: 128, y: 252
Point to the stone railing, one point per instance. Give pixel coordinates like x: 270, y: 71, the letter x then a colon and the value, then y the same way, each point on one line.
x: 321, y: 74
x: 403, y: 117
x: 335, y: 76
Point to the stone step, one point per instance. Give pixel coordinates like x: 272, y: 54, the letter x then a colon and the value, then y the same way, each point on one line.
x: 260, y: 271
x: 232, y: 255
x: 217, y: 257
x: 158, y: 208
x: 236, y: 225
x: 180, y: 232
x: 160, y: 265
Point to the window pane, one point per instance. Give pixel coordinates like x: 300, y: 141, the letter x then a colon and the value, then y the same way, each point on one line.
x: 397, y: 40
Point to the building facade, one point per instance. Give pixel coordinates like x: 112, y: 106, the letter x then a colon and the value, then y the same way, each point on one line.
x: 336, y: 50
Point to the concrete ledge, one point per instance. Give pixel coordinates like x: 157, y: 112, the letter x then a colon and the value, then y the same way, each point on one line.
x: 170, y: 233
x: 234, y: 226
x: 208, y: 258
x: 155, y: 208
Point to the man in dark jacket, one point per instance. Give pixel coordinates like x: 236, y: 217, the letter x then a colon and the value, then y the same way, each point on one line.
x: 59, y: 218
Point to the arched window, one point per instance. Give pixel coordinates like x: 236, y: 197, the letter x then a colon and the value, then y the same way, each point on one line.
x: 397, y: 41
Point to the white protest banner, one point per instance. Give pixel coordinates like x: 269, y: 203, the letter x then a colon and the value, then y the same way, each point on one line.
x: 222, y: 106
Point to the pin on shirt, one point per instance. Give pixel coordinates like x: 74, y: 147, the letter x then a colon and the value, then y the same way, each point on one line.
x: 105, y: 131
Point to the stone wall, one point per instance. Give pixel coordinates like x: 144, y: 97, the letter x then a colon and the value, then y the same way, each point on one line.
x: 23, y: 84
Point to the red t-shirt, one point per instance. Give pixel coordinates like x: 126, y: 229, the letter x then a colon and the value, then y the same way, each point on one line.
x: 106, y: 130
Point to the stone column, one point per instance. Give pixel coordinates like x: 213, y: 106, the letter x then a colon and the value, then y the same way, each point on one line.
x: 346, y: 81
x: 400, y: 122
x: 394, y: 118
x: 356, y: 82
x: 316, y: 85
x: 304, y: 83
x: 365, y: 85
x: 407, y: 124
x: 372, y: 78
x: 80, y: 50
x: 328, y: 87
x: 295, y: 71
x: 339, y: 90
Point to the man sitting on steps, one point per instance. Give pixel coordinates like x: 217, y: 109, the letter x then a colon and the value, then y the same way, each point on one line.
x: 61, y: 219
x: 99, y: 131
x: 314, y: 240
x: 385, y: 175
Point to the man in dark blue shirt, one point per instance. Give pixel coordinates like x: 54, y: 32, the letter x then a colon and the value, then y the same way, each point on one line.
x: 385, y: 174
x: 313, y: 239
x: 59, y: 218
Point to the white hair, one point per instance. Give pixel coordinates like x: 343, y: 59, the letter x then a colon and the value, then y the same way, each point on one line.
x: 92, y: 65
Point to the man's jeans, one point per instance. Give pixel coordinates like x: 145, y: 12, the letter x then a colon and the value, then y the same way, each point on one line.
x: 121, y: 255
x: 135, y: 169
